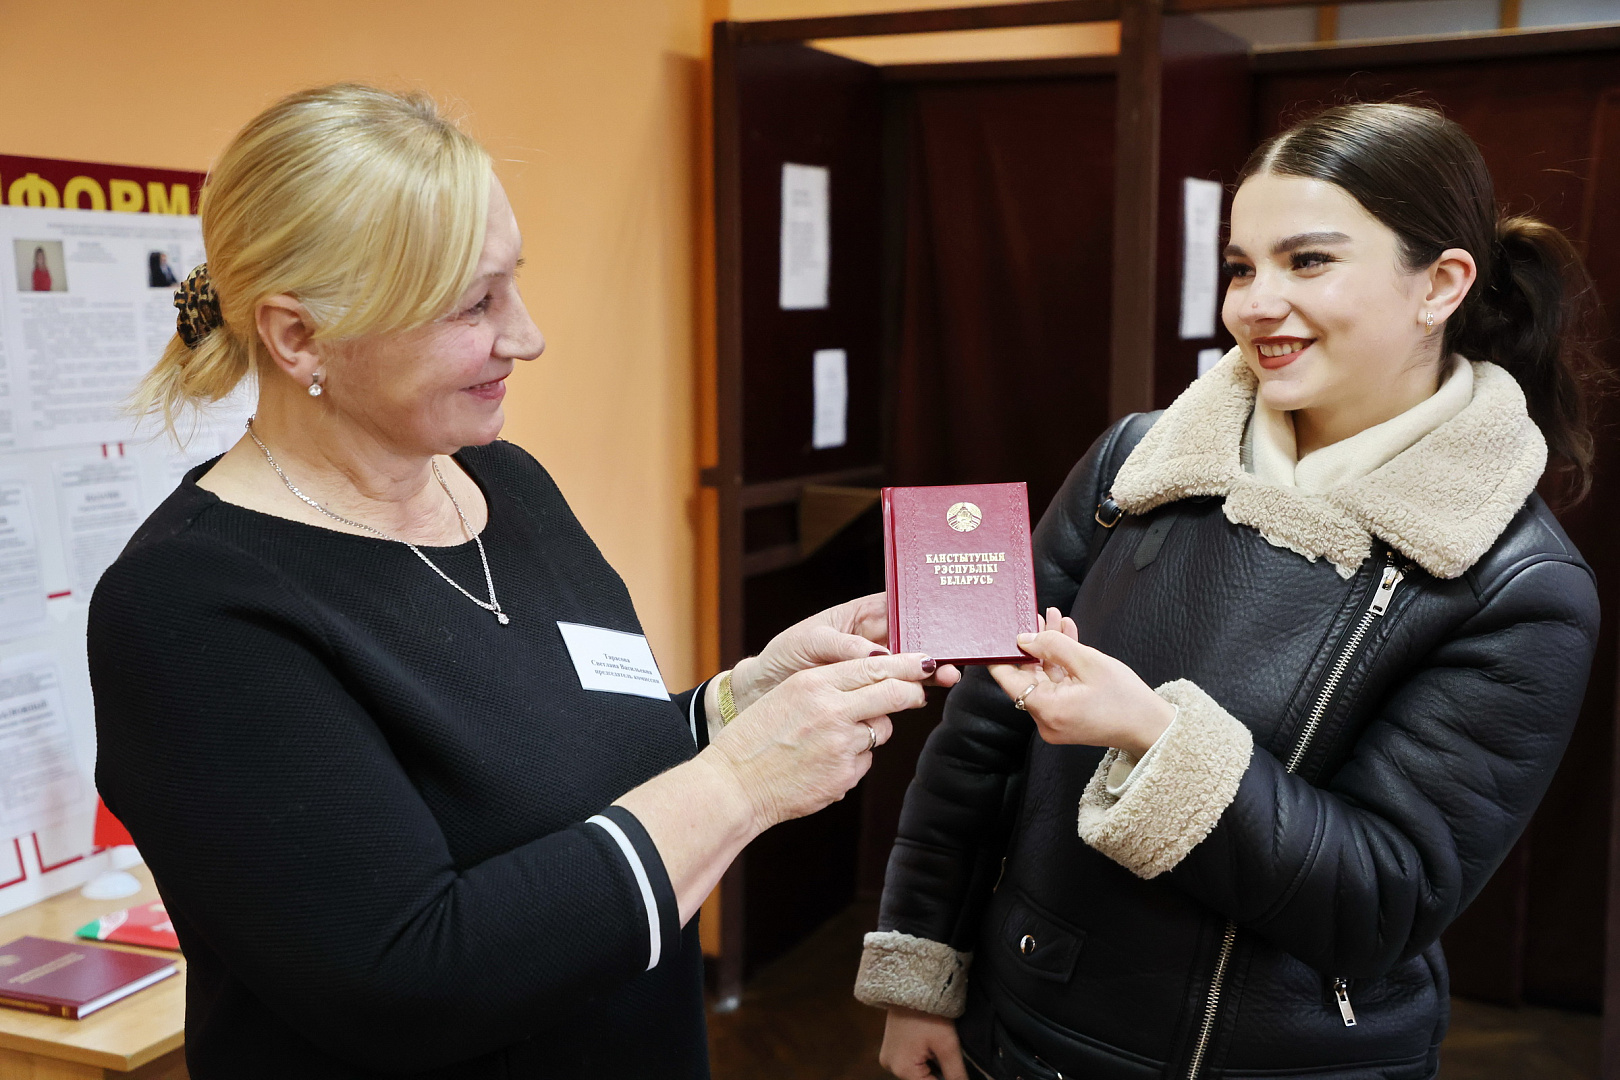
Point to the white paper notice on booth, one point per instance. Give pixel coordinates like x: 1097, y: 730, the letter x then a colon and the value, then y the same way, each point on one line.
x: 1201, y: 258
x: 829, y: 427
x: 806, y: 237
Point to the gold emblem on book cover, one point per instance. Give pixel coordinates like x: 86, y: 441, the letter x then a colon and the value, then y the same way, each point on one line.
x: 964, y: 517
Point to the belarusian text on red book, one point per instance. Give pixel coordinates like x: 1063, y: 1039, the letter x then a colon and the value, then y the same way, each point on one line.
x: 960, y: 574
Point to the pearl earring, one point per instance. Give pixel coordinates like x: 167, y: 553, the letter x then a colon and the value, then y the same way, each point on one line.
x: 315, y: 382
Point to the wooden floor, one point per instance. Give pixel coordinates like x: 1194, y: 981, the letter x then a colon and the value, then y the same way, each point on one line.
x: 1488, y: 1042
x: 797, y: 1021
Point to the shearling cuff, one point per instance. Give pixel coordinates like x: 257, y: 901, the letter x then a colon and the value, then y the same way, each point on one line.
x: 913, y: 972
x: 1173, y: 803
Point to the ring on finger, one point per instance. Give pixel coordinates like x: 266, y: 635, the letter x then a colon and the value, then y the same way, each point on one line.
x: 871, y: 738
x: 1018, y: 702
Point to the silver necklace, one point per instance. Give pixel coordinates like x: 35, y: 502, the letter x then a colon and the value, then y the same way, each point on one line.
x: 493, y: 606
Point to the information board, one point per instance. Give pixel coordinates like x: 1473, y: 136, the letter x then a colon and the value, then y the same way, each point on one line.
x: 89, y: 258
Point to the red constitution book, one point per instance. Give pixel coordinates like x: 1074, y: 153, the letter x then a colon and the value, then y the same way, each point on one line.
x: 960, y: 576
x: 62, y: 979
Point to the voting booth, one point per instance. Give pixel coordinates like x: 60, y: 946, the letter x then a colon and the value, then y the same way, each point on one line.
x: 961, y: 273
x: 933, y: 274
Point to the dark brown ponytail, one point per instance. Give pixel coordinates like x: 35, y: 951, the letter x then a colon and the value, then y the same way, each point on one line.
x: 1531, y: 309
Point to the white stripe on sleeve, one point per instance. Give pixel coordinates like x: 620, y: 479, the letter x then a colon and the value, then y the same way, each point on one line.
x: 691, y: 709
x: 611, y: 827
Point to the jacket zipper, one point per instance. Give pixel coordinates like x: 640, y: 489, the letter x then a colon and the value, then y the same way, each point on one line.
x: 1393, y: 576
x: 1212, y: 1003
x: 1341, y: 991
x: 1375, y: 610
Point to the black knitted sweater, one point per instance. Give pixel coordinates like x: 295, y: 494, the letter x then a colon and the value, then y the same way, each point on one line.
x: 368, y: 806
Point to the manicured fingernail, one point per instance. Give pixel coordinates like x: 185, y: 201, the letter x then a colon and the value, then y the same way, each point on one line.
x: 929, y: 664
x: 1025, y: 639
x: 879, y: 652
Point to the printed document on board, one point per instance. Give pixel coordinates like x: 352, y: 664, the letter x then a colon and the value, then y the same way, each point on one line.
x: 39, y: 775
x: 86, y: 306
x: 22, y: 584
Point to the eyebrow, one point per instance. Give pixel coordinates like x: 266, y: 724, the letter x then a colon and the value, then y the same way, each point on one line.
x: 493, y: 274
x: 1294, y: 243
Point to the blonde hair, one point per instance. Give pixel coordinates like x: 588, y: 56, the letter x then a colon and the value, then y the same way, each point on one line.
x: 367, y: 206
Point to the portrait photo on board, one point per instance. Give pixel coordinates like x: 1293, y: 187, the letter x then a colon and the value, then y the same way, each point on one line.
x: 39, y: 266
x: 161, y: 270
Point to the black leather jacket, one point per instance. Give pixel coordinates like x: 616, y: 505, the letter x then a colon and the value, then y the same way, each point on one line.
x: 1403, y: 735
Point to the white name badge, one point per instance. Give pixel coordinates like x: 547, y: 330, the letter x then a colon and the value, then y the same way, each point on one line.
x: 612, y: 661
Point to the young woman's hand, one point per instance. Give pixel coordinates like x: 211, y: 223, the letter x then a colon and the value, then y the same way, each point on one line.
x: 808, y: 741
x: 1078, y: 695
x: 848, y: 631
x: 916, y: 1044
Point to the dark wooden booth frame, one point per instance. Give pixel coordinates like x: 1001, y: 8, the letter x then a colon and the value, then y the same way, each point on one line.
x: 1140, y: 375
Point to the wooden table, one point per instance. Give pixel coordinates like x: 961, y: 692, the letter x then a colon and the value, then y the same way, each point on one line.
x: 139, y: 1038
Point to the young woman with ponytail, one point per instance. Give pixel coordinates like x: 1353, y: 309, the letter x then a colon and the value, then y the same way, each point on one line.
x: 1313, y: 648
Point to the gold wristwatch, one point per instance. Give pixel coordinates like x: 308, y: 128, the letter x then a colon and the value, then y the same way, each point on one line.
x: 728, y: 704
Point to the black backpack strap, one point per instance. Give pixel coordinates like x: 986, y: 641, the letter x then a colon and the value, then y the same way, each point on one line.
x: 1108, y: 512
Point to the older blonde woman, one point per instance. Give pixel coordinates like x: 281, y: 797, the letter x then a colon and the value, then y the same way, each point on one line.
x: 374, y: 707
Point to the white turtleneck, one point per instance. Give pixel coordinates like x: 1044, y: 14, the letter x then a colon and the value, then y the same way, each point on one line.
x: 1271, y: 454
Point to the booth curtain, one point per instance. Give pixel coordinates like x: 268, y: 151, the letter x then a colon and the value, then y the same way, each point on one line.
x: 1004, y: 336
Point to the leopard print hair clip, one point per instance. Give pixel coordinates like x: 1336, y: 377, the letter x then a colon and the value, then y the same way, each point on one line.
x: 198, y: 305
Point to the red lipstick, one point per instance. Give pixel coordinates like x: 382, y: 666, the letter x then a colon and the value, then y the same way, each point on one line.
x: 1279, y: 352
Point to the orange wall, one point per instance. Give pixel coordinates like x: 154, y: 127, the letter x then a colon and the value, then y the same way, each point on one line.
x: 591, y: 110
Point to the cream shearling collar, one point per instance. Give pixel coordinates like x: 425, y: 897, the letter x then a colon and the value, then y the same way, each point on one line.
x: 1442, y: 502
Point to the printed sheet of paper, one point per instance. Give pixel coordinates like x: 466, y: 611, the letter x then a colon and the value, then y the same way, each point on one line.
x: 829, y: 427
x: 100, y: 504
x: 1200, y: 263
x: 806, y: 237
x: 85, y: 310
x: 22, y: 585
x: 39, y: 775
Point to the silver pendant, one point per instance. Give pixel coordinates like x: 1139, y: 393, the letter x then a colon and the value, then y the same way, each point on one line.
x: 502, y: 617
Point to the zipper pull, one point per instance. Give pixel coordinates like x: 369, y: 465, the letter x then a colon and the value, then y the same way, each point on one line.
x: 1341, y: 991
x: 1393, y: 576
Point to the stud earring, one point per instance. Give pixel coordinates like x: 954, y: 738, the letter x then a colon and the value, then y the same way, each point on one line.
x: 1429, y: 320
x: 315, y: 381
